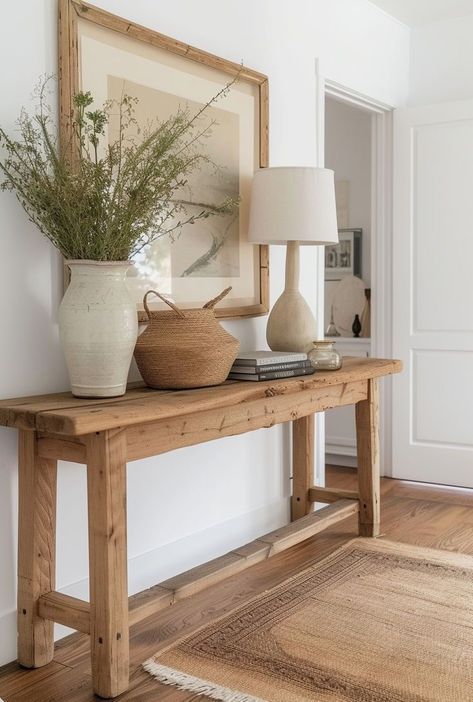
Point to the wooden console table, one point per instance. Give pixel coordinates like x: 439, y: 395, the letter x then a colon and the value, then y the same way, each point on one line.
x: 106, y: 434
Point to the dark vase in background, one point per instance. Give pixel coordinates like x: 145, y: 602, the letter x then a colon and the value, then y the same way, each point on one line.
x: 356, y: 327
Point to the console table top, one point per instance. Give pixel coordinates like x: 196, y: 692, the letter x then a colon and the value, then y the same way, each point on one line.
x: 61, y: 413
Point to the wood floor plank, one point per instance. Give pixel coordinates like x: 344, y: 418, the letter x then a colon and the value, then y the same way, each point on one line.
x: 14, y: 678
x: 144, y: 688
x: 422, y: 515
x: 431, y: 493
x: 64, y: 685
x: 73, y: 651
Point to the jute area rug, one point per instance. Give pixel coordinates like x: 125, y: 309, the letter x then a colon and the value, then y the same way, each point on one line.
x: 373, y: 622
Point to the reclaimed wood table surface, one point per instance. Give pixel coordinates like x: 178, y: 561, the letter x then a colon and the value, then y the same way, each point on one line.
x: 105, y: 434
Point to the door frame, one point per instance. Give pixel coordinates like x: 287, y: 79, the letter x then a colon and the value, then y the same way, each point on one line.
x: 381, y: 248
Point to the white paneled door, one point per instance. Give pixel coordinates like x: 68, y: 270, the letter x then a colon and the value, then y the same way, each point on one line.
x: 433, y: 293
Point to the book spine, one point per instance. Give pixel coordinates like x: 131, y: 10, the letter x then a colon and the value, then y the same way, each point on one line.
x: 237, y: 368
x: 286, y: 374
x: 276, y: 375
x: 263, y: 362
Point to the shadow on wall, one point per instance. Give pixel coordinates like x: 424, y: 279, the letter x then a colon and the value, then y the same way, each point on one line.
x: 253, y: 336
x: 31, y: 362
x: 32, y: 281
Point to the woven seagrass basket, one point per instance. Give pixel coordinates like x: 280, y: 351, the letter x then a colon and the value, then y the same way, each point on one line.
x: 184, y: 348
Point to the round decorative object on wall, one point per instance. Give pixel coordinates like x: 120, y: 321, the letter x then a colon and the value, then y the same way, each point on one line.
x: 348, y: 301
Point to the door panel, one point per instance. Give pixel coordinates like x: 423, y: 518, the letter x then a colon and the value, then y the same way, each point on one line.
x: 433, y: 293
x: 431, y: 427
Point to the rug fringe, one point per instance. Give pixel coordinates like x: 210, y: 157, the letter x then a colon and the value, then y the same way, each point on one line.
x: 189, y: 683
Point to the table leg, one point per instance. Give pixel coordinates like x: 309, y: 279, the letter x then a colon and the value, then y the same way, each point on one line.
x: 36, y: 550
x: 367, y: 433
x: 109, y: 632
x: 302, y: 465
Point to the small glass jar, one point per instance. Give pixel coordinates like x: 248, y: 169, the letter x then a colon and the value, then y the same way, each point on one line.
x: 324, y: 356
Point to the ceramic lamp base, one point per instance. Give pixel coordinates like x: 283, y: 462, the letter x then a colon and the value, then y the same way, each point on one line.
x: 291, y: 324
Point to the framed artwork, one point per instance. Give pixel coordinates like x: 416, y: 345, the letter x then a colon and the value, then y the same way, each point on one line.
x: 110, y: 56
x: 345, y: 257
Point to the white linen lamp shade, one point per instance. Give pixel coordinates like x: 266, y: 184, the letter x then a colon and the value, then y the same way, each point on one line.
x: 293, y: 206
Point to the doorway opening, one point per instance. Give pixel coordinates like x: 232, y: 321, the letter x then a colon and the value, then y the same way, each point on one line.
x: 357, y: 146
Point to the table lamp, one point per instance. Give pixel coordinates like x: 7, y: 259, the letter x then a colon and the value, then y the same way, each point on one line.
x: 293, y: 206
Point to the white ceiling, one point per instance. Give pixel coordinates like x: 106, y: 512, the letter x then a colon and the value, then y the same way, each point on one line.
x: 417, y: 12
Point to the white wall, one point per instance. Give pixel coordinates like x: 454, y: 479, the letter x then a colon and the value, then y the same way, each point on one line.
x: 442, y: 61
x: 191, y: 505
x: 348, y: 153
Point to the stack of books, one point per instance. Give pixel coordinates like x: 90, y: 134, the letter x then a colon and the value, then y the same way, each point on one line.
x: 270, y: 365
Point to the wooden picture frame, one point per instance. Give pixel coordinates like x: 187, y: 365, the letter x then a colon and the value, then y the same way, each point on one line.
x: 73, y: 17
x: 344, y: 258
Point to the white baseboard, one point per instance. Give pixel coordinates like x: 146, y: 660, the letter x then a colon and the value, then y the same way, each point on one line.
x: 338, y: 459
x: 7, y: 637
x: 147, y: 569
x: 340, y: 446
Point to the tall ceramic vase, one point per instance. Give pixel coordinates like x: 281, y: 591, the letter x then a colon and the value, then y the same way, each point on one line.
x: 98, y: 327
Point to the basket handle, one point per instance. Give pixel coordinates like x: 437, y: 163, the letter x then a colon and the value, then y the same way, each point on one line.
x: 211, y: 303
x: 164, y: 299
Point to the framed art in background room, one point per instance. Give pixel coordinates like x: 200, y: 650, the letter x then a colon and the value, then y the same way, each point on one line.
x: 344, y: 258
x: 112, y: 57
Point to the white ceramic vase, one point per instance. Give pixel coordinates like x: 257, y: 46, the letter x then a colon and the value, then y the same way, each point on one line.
x: 98, y: 326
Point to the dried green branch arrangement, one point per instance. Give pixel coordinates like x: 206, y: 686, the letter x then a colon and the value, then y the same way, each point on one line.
x: 100, y: 201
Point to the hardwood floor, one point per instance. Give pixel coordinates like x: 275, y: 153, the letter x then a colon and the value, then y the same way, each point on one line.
x: 411, y: 512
